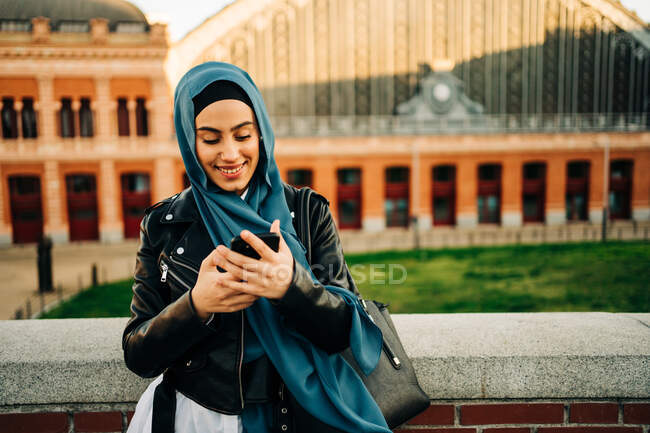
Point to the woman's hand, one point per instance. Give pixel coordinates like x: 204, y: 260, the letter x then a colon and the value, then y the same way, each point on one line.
x: 267, y: 277
x: 212, y: 292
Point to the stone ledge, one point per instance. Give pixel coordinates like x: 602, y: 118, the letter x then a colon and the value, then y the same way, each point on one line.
x: 457, y: 356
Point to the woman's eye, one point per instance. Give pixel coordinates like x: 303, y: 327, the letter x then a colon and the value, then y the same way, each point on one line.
x: 213, y: 141
x: 243, y: 137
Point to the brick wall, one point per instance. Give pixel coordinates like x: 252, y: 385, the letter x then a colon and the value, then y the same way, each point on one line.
x: 464, y: 417
x: 533, y: 417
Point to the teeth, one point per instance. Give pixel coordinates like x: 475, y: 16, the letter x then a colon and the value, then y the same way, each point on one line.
x: 232, y: 171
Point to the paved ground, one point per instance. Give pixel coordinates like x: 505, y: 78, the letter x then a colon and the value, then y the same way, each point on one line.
x: 72, y: 265
x: 72, y: 262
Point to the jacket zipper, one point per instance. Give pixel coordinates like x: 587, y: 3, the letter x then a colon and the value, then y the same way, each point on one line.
x: 166, y: 271
x: 241, y: 361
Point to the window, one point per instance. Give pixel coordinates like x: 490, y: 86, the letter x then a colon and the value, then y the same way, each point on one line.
x: 141, y: 117
x: 396, y: 204
x: 28, y: 118
x: 489, y: 193
x: 299, y: 178
x: 534, y: 191
x: 66, y: 118
x: 444, y: 195
x: 9, y: 121
x: 85, y: 118
x: 577, y: 191
x: 122, y: 118
x: 349, y: 198
x: 74, y: 27
x: 26, y: 208
x: 620, y: 189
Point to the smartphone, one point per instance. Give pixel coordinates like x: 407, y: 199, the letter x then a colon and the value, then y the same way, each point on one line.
x: 240, y: 246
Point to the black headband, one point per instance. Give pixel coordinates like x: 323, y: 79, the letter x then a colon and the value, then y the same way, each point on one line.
x: 217, y: 91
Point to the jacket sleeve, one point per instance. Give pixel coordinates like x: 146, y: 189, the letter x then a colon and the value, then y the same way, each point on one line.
x: 159, y: 332
x: 321, y: 316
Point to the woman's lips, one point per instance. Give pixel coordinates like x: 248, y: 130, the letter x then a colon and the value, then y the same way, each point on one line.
x: 231, y: 171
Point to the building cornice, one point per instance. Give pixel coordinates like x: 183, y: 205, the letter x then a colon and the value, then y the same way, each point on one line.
x: 623, y: 18
x: 80, y: 52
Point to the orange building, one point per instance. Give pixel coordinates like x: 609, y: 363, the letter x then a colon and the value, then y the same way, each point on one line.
x: 417, y: 111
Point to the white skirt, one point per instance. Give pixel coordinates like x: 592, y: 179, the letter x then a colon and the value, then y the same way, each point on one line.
x: 190, y: 417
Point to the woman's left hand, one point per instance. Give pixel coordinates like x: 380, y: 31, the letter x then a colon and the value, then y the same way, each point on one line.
x: 269, y: 276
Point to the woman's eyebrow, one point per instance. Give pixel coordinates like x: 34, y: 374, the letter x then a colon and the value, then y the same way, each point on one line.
x: 211, y: 129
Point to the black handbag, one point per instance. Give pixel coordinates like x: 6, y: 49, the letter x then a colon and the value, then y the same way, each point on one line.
x: 393, y: 383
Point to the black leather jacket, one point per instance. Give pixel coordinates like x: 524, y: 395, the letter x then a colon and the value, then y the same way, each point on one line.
x: 204, y: 362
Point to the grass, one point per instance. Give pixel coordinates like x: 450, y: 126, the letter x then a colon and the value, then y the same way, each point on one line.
x: 551, y: 277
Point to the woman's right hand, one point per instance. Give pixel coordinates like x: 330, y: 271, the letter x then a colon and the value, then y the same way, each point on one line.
x: 211, y: 294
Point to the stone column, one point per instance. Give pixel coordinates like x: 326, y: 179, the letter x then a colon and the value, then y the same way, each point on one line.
x: 103, y: 106
x: 55, y: 226
x: 18, y: 107
x: 325, y: 183
x: 641, y: 187
x: 466, y: 191
x: 373, y: 187
x: 596, y: 189
x: 111, y: 226
x: 47, y: 108
x: 133, y: 121
x: 511, y: 193
x: 160, y: 126
x: 76, y: 125
x: 555, y: 198
x: 164, y: 181
x: 5, y: 218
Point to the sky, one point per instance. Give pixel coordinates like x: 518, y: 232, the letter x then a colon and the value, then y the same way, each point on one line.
x: 182, y: 18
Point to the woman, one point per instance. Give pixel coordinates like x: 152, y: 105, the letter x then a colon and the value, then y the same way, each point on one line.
x: 254, y: 348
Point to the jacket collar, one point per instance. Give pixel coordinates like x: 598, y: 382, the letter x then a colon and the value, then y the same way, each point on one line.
x: 182, y: 208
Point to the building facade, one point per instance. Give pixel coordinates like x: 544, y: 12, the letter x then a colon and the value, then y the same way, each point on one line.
x: 512, y: 112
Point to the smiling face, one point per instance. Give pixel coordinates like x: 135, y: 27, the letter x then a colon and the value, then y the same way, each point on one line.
x: 227, y: 144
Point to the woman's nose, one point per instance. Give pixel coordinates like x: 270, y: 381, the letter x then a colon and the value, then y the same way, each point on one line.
x: 230, y: 151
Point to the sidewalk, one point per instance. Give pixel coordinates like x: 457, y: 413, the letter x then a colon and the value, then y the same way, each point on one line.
x: 71, y: 265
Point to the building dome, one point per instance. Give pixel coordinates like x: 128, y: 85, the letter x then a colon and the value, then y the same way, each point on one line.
x: 63, y: 11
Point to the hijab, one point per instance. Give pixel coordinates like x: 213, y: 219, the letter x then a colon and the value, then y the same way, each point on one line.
x: 325, y: 385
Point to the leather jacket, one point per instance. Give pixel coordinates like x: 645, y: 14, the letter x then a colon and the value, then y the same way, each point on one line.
x: 204, y: 361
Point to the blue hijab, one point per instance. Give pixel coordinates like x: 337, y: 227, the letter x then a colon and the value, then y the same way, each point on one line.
x: 325, y: 385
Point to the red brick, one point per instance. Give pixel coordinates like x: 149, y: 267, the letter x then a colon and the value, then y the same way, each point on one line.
x: 589, y: 430
x: 515, y: 413
x: 636, y: 413
x: 88, y: 422
x: 129, y: 416
x: 436, y: 414
x: 603, y: 413
x: 436, y: 430
x: 506, y: 430
x: 34, y: 422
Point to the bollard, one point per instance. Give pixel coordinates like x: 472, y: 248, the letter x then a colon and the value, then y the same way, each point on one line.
x: 44, y: 264
x: 28, y: 308
x: 93, y: 275
x: 18, y: 315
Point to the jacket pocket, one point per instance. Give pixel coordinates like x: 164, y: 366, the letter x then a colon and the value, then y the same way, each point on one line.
x: 175, y: 278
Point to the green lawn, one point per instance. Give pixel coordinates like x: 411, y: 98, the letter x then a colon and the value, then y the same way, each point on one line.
x: 552, y: 277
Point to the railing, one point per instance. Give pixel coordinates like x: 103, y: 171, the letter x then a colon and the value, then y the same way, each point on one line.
x: 303, y: 126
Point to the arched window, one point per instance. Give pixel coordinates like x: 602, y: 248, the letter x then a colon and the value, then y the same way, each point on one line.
x: 489, y: 193
x: 299, y: 178
x: 577, y: 191
x: 444, y: 195
x: 142, y: 118
x: 534, y: 191
x: 396, y: 203
x: 29, y: 118
x: 85, y: 119
x: 349, y: 198
x: 122, y: 118
x: 66, y: 118
x: 9, y: 121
